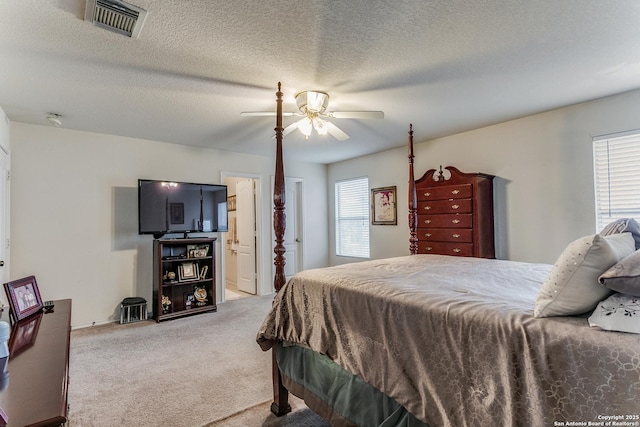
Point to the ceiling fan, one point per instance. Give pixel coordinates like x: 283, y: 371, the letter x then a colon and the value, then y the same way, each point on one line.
x: 313, y: 110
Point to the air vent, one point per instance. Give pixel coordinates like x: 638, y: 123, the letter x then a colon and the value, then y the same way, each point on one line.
x: 117, y: 16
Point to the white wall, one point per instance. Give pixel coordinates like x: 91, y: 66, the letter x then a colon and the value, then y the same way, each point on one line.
x: 5, y: 202
x: 74, y: 212
x: 544, y: 196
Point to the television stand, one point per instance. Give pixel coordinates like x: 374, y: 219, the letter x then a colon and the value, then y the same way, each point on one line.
x: 184, y: 277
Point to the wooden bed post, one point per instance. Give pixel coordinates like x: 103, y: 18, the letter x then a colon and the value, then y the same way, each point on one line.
x: 413, y: 203
x: 280, y: 405
x: 279, y: 217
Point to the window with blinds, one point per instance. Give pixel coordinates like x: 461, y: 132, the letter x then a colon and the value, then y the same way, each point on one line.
x: 617, y: 177
x: 352, y: 217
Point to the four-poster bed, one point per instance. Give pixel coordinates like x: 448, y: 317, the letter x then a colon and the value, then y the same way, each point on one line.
x: 437, y: 340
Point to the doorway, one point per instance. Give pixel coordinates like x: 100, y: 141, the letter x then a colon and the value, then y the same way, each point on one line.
x: 241, y: 243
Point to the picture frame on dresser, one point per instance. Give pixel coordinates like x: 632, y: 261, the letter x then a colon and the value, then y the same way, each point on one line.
x: 383, y: 206
x: 24, y: 297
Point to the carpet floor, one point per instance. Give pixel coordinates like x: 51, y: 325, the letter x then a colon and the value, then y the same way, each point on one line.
x: 261, y: 416
x: 202, y: 370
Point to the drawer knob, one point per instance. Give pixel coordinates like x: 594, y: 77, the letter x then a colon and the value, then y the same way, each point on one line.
x: 427, y: 235
x: 455, y: 192
x: 426, y: 208
x: 429, y: 248
x: 427, y: 221
x: 427, y: 194
x: 455, y: 221
x: 456, y: 236
x: 455, y: 206
x: 456, y: 250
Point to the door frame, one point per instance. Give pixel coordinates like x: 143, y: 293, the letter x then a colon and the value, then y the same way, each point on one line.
x: 259, y: 253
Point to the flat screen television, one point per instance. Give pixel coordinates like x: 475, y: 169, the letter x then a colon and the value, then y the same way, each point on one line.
x: 166, y: 207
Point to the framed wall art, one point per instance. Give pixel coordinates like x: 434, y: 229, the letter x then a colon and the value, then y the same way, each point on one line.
x: 383, y: 206
x: 24, y: 297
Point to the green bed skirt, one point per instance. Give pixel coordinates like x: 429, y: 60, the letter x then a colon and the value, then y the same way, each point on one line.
x: 346, y: 394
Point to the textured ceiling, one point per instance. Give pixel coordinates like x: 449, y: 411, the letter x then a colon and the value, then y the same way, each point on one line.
x: 445, y: 65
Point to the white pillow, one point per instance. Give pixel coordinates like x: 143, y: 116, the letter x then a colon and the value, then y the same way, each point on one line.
x: 619, y: 312
x: 572, y: 286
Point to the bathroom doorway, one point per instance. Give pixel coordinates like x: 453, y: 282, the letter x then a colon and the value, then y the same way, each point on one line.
x: 241, y: 243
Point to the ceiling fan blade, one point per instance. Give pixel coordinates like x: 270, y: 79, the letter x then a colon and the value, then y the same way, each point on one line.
x: 266, y: 114
x: 356, y: 114
x: 286, y: 131
x: 336, y: 132
x: 293, y: 126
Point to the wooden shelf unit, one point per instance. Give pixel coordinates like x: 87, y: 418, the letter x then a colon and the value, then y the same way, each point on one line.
x: 184, y: 271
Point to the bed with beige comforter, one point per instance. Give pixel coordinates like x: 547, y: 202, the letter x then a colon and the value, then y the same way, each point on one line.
x: 454, y: 341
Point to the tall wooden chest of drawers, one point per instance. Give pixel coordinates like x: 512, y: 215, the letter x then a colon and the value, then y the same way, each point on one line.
x: 455, y: 214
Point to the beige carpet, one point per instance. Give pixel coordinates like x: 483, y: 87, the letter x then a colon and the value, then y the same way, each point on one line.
x: 200, y: 370
x: 260, y: 415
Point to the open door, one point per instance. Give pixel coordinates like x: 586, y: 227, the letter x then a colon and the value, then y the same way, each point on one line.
x: 246, y: 231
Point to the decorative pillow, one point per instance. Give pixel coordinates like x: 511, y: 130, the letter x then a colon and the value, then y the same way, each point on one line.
x: 624, y: 276
x: 623, y: 225
x: 572, y: 286
x: 619, y: 312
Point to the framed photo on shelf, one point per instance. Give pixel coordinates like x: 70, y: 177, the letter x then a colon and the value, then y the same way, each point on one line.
x: 195, y: 251
x: 383, y: 206
x: 24, y: 297
x: 203, y: 272
x: 188, y: 271
x: 189, y: 300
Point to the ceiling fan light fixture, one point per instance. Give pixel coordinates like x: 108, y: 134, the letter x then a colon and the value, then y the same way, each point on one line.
x: 320, y: 126
x: 305, y: 125
x: 311, y: 101
x: 313, y: 105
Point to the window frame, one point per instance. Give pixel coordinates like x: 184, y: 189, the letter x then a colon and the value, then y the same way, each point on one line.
x: 351, y: 244
x: 616, y: 185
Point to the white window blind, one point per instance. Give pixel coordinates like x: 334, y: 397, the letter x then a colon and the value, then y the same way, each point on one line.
x: 352, y: 217
x: 617, y: 177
